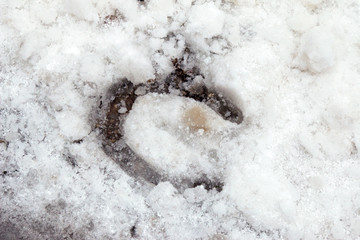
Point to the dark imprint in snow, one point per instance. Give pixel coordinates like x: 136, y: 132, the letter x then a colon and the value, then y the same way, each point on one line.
x: 114, y: 108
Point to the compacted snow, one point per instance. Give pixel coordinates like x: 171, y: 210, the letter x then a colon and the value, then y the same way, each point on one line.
x: 290, y: 170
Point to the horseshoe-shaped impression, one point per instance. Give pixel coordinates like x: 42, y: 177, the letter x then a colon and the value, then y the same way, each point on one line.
x: 114, y: 108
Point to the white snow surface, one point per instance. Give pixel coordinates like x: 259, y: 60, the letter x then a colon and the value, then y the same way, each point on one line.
x: 291, y: 169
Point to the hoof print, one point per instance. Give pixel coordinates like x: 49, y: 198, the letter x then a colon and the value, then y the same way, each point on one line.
x: 118, y: 101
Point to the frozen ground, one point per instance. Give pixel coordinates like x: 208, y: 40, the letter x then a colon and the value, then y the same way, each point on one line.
x: 291, y: 170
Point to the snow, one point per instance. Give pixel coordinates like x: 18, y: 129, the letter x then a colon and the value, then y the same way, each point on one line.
x: 317, y: 51
x: 290, y: 170
x: 206, y: 20
x: 167, y: 129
